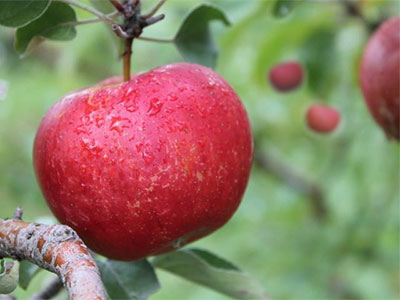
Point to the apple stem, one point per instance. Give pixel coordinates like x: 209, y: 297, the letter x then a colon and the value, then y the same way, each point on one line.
x: 132, y: 26
x: 127, y: 59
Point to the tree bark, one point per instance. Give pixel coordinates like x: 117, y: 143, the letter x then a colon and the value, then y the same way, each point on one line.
x: 56, y: 248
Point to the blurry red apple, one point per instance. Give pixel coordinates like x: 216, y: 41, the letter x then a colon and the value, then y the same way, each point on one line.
x: 143, y: 167
x: 322, y: 118
x: 380, y: 76
x: 286, y: 76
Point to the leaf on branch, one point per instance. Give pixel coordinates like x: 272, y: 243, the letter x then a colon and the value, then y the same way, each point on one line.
x: 52, y: 25
x: 27, y: 271
x: 194, y: 40
x: 207, y: 269
x: 128, y: 280
x: 283, y: 7
x: 8, y: 276
x: 20, y: 13
x: 320, y: 58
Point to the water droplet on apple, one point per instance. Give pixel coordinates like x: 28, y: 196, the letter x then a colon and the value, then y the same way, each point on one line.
x: 80, y: 129
x: 131, y: 108
x: 118, y: 124
x: 154, y: 107
x: 92, y: 146
x: 172, y: 97
x: 147, y: 157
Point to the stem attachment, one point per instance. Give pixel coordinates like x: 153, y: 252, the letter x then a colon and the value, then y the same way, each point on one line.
x: 127, y: 59
x: 132, y: 27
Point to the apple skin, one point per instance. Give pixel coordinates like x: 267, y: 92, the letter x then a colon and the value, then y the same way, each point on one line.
x: 380, y: 77
x: 146, y: 166
x: 286, y: 76
x: 322, y: 119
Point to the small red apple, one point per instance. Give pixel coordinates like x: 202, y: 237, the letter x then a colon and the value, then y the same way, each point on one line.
x: 380, y: 76
x: 286, y: 76
x: 322, y: 118
x: 143, y: 167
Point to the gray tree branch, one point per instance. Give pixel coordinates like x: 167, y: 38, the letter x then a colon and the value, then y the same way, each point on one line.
x: 56, y: 248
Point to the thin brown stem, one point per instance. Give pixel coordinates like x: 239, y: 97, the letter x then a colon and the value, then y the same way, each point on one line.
x: 126, y: 57
x: 117, y: 5
x: 149, y: 39
x: 155, y: 9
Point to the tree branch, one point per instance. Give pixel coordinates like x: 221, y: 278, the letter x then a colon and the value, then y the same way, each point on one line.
x: 352, y: 9
x: 155, y: 9
x: 56, y: 248
x: 293, y: 179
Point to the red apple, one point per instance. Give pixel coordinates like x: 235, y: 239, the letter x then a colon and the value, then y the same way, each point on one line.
x: 286, y: 76
x: 322, y: 118
x: 380, y: 76
x: 143, y: 167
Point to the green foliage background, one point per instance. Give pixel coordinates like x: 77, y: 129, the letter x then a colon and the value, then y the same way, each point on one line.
x: 274, y: 236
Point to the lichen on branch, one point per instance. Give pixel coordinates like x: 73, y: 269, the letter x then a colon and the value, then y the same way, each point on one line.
x: 56, y: 248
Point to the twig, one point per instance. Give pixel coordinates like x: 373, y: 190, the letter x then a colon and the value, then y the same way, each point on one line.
x: 117, y: 5
x: 149, y: 39
x: 18, y: 213
x: 353, y: 9
x: 295, y: 180
x: 50, y: 291
x: 155, y: 9
x: 89, y: 9
x: 56, y: 248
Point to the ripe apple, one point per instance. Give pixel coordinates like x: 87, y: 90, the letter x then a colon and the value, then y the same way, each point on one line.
x: 286, y: 76
x: 380, y: 76
x: 322, y: 118
x: 143, y: 167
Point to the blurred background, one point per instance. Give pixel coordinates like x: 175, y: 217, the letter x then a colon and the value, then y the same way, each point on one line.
x: 324, y: 221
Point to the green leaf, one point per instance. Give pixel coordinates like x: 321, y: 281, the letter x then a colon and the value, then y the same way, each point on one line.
x: 283, y: 7
x: 194, y: 40
x: 207, y: 269
x: 8, y: 277
x: 102, y: 5
x: 128, y: 280
x: 27, y: 271
x: 19, y: 13
x: 50, y: 26
x: 319, y: 56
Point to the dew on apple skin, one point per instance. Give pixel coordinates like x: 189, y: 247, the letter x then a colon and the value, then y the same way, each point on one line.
x: 131, y: 108
x: 147, y: 157
x: 172, y: 97
x: 80, y: 129
x: 118, y: 124
x: 154, y: 107
x: 99, y: 122
x: 92, y: 146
